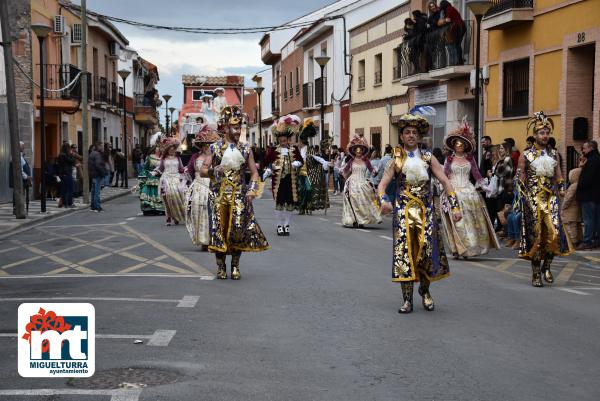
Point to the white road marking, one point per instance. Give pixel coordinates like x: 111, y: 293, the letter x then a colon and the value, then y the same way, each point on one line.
x: 572, y: 291
x: 363, y: 230
x: 116, y: 395
x: 322, y: 219
x: 122, y: 222
x: 386, y: 237
x: 588, y: 288
x: 99, y: 275
x: 188, y: 301
x: 130, y: 218
x: 339, y: 224
x: 140, y: 214
x: 161, y: 338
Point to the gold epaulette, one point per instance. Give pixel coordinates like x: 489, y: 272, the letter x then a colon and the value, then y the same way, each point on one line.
x: 399, y: 158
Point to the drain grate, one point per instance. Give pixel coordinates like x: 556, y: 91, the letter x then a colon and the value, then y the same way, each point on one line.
x: 126, y: 378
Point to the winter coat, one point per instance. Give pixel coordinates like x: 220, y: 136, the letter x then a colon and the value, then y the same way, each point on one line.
x: 588, y: 189
x: 96, y: 165
x: 571, y: 211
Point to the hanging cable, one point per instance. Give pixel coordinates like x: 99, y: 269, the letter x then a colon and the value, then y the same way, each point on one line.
x: 73, y: 82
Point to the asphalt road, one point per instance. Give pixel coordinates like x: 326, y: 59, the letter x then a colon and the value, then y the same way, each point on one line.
x: 313, y: 318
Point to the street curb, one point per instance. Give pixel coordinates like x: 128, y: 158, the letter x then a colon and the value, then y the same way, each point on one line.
x: 64, y: 213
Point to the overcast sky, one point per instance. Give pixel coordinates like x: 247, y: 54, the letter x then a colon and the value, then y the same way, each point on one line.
x: 183, y: 53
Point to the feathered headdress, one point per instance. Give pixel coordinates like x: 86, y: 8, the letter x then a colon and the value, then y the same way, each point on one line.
x: 356, y: 142
x: 463, y: 133
x: 286, y: 126
x: 539, y: 121
x: 308, y: 130
x: 168, y: 141
x: 206, y: 135
x: 231, y: 115
x: 411, y: 120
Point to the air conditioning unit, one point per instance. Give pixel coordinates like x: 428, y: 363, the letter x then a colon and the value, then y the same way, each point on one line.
x: 76, y: 34
x: 114, y: 49
x: 59, y: 24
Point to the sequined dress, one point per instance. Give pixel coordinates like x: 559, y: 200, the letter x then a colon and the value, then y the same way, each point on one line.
x: 150, y: 200
x: 233, y: 227
x: 542, y: 231
x: 360, y: 204
x: 319, y: 196
x: 474, y: 234
x: 197, y: 222
x: 172, y: 189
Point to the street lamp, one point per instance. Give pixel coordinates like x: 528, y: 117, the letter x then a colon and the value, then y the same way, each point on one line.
x: 171, y: 110
x: 167, y: 98
x: 42, y: 31
x: 478, y: 8
x: 259, y: 90
x: 322, y: 61
x: 124, y: 74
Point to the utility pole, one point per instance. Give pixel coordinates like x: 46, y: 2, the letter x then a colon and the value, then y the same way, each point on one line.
x: 84, y: 103
x: 13, y: 116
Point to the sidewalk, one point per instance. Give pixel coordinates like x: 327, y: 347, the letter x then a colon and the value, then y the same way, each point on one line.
x: 8, y: 222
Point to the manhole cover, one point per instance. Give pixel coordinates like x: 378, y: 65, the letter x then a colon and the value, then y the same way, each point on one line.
x: 127, y: 378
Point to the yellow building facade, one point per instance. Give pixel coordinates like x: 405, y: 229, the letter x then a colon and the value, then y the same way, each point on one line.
x: 544, y: 55
x: 378, y: 97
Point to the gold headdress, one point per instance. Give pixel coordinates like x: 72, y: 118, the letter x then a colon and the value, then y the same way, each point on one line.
x: 231, y: 115
x: 540, y: 121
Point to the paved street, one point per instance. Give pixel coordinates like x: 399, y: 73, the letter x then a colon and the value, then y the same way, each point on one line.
x: 313, y: 318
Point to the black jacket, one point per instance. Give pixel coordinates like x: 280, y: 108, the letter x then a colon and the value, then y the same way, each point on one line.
x: 588, y: 189
x: 96, y: 165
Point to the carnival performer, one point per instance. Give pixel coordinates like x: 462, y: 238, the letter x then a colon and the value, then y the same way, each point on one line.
x: 474, y: 234
x: 220, y: 101
x: 233, y: 227
x: 150, y: 201
x: 418, y: 246
x: 197, y: 220
x: 317, y: 196
x: 172, y: 185
x: 284, y: 162
x: 360, y: 203
x: 540, y: 184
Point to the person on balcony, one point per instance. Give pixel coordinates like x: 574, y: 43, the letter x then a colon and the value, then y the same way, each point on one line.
x: 434, y: 16
x: 451, y: 16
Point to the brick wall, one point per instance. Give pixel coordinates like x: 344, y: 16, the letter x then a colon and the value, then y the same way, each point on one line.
x: 294, y: 61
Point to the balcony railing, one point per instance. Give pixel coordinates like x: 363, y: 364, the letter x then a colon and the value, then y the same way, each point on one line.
x: 291, y: 92
x: 377, y: 78
x: 297, y: 89
x: 100, y: 90
x: 141, y: 100
x: 274, y: 102
x: 60, y: 76
x: 320, y: 87
x: 361, y: 82
x: 307, y: 95
x: 444, y: 47
x: 499, y: 6
x: 396, y: 72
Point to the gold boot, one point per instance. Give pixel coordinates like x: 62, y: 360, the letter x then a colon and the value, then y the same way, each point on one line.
x: 426, y: 296
x: 221, y: 267
x: 235, y: 267
x: 407, y: 296
x: 536, y: 275
x: 547, y: 273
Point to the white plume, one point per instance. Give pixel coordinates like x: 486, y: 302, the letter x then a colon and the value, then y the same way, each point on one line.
x: 232, y: 159
x: 415, y: 170
x: 544, y: 166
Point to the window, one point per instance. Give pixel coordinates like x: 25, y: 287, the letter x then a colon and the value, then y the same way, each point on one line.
x: 515, y: 88
x: 361, y: 74
x: 197, y: 94
x: 76, y: 33
x: 297, y: 80
x: 396, y: 57
x: 285, y: 87
x: 291, y: 85
x: 378, y: 69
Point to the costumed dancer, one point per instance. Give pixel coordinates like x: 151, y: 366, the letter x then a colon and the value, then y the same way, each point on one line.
x: 418, y: 246
x: 312, y: 174
x: 540, y: 184
x: 284, y: 162
x: 220, y: 101
x: 150, y: 201
x: 360, y: 203
x: 474, y: 234
x: 172, y: 184
x: 233, y: 227
x: 197, y: 221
